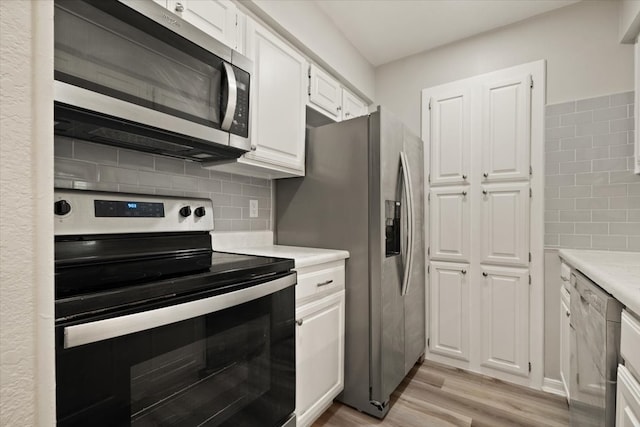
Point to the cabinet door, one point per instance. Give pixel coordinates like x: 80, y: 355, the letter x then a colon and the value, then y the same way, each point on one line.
x: 627, y: 399
x: 278, y: 100
x: 565, y: 344
x: 506, y: 129
x: 325, y: 93
x: 449, y: 310
x: 352, y: 106
x: 215, y: 17
x: 505, y: 319
x: 449, y: 136
x: 505, y: 224
x: 449, y: 224
x: 319, y: 356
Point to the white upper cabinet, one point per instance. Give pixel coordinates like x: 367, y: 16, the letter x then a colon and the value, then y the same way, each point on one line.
x: 505, y: 224
x: 278, y: 101
x: 449, y: 224
x: 352, y: 106
x: 327, y: 96
x: 450, y: 128
x: 325, y: 93
x: 215, y: 17
x: 505, y: 319
x: 506, y: 129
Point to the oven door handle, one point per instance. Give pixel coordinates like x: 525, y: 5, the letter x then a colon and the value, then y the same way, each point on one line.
x: 100, y: 330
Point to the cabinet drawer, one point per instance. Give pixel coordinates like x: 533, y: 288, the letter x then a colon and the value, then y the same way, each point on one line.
x: 630, y: 341
x: 320, y: 280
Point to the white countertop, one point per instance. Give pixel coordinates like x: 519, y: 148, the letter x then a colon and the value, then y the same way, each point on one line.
x: 302, y: 256
x: 616, y: 272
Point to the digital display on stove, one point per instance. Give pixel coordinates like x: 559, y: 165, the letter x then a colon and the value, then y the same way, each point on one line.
x: 116, y: 208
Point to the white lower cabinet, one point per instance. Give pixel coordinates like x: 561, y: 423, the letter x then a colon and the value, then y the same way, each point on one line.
x: 320, y: 302
x: 627, y: 399
x: 319, y: 356
x: 565, y: 336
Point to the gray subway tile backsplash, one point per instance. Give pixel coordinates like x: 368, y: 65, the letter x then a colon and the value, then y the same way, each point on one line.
x: 84, y: 165
x: 592, y: 196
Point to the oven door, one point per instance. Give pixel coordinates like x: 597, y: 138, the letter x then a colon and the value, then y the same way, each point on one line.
x: 137, y: 61
x: 223, y: 360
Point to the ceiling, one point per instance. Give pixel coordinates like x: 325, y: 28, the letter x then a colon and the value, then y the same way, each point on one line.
x: 386, y: 30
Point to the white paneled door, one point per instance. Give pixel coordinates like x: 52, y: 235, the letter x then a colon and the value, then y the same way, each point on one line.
x: 485, y: 259
x: 450, y: 224
x: 505, y: 319
x: 506, y: 123
x: 449, y: 309
x: 449, y: 128
x: 505, y: 224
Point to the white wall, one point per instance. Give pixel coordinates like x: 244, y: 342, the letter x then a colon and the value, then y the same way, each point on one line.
x: 307, y: 26
x: 580, y: 43
x: 27, y: 360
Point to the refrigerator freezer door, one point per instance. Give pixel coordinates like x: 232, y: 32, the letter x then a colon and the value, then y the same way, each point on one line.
x: 387, y: 303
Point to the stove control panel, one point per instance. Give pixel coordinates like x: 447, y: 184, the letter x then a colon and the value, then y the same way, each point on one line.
x: 92, y: 212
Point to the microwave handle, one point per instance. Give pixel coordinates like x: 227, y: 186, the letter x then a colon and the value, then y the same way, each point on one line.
x: 232, y: 97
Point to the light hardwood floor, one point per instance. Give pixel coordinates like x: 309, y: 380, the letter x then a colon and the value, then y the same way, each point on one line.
x: 434, y: 395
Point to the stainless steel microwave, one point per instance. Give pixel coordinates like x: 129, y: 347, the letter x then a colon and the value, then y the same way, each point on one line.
x: 132, y: 74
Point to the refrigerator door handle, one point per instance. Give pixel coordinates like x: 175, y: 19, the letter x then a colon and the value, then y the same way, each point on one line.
x: 406, y: 178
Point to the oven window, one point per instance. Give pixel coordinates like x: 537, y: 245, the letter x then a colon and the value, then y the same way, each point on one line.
x: 99, y: 52
x: 234, y: 368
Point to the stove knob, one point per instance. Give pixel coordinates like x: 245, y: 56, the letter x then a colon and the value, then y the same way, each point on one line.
x: 200, y: 212
x: 185, y: 211
x: 61, y: 207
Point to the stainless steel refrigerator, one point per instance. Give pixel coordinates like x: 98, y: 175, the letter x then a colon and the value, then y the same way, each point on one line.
x: 363, y: 192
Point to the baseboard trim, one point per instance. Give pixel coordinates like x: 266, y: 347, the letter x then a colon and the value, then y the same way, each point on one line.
x: 552, y: 386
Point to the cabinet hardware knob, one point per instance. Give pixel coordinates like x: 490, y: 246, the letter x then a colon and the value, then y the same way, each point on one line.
x: 179, y: 7
x: 485, y: 274
x: 567, y: 313
x: 339, y: 108
x: 253, y: 147
x: 484, y: 192
x: 463, y: 271
x: 347, y: 114
x: 486, y: 175
x: 299, y: 322
x: 464, y: 193
x: 464, y: 176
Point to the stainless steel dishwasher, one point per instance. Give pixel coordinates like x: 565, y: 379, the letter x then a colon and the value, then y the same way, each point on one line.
x: 595, y: 346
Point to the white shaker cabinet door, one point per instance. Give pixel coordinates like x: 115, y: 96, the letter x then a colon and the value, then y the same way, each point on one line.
x: 319, y: 356
x: 449, y: 309
x: 352, y: 106
x: 215, y: 17
x: 505, y: 224
x: 506, y: 129
x: 325, y: 93
x: 278, y: 100
x: 505, y: 319
x: 450, y: 224
x: 565, y: 343
x: 627, y: 399
x: 450, y: 131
